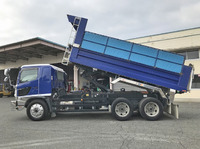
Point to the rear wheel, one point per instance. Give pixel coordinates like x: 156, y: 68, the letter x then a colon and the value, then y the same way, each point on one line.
x: 37, y: 110
x: 151, y: 108
x: 122, y: 109
x: 1, y: 95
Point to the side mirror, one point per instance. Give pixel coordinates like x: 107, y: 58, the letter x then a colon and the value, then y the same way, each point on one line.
x: 6, y: 71
x: 6, y: 79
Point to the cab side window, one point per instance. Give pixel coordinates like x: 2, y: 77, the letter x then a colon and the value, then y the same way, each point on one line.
x: 60, y: 76
x: 28, y: 75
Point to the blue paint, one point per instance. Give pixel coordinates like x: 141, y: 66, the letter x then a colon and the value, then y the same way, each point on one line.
x: 130, y: 69
x: 80, y: 30
x: 93, y: 46
x: 174, y: 58
x: 144, y: 50
x: 46, y: 81
x: 117, y: 53
x: 95, y: 38
x: 120, y: 44
x: 142, y: 59
x: 45, y: 78
x: 168, y: 66
x: 133, y: 52
x: 131, y: 60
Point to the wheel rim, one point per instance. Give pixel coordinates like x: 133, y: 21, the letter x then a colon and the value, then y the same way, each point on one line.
x: 122, y: 109
x: 36, y: 110
x: 151, y: 109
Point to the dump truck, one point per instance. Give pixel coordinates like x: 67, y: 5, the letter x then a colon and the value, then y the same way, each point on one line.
x: 42, y: 88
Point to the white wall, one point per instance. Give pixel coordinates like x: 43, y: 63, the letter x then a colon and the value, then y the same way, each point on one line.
x: 47, y: 59
x: 170, y: 41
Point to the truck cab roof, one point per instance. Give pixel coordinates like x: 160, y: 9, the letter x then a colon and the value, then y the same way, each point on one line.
x: 41, y: 65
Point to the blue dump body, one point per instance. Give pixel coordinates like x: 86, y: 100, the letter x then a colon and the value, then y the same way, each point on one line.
x: 128, y: 59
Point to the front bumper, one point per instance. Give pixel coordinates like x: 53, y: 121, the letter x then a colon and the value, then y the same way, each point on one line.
x: 17, y: 105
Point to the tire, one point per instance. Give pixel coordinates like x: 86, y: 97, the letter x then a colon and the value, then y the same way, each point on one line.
x: 122, y: 109
x: 151, y: 108
x: 37, y: 110
x: 1, y: 95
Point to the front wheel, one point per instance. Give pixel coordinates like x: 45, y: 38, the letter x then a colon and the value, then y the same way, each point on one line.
x: 37, y: 110
x: 122, y: 109
x: 151, y: 108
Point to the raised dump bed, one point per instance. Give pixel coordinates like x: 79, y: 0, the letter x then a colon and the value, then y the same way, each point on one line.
x: 128, y: 59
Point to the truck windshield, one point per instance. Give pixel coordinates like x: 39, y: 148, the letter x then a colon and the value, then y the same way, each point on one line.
x: 28, y: 75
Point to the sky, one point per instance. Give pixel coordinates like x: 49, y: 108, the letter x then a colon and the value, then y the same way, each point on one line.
x: 122, y: 19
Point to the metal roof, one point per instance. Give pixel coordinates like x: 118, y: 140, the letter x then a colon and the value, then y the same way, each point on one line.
x: 31, y: 48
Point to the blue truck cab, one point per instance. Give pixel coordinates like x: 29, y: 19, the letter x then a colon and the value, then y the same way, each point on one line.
x: 40, y: 80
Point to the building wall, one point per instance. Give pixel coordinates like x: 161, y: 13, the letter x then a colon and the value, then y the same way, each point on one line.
x: 47, y: 59
x: 185, y: 40
x: 179, y: 40
x: 196, y: 63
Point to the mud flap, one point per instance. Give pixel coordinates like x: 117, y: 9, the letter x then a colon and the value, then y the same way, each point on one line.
x: 172, y: 109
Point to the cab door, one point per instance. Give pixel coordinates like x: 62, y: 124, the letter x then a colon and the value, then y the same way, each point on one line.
x: 27, y: 83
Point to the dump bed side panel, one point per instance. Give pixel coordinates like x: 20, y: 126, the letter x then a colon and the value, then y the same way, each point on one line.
x: 128, y: 59
x: 131, y: 69
x: 133, y: 52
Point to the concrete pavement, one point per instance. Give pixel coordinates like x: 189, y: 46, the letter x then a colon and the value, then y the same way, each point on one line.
x: 99, y: 130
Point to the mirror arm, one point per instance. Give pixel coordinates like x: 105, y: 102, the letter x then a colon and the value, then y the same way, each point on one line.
x: 9, y: 80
